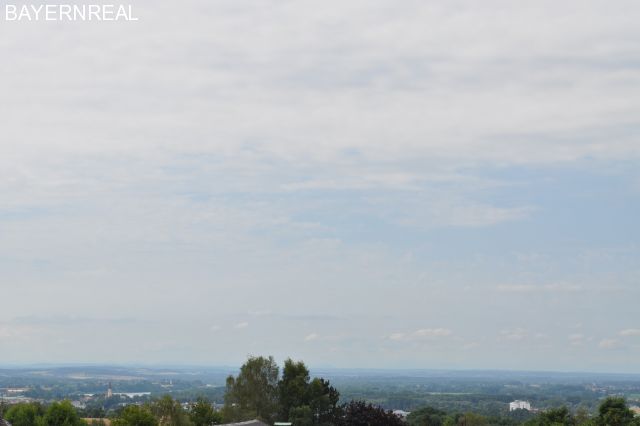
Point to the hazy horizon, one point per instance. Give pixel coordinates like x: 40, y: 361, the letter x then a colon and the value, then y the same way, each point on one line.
x: 363, y: 183
x: 319, y: 370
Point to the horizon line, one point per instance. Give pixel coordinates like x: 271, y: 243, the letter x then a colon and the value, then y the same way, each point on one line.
x: 186, y: 366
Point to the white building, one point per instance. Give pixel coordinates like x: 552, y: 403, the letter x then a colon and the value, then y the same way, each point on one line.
x: 401, y: 413
x: 519, y: 405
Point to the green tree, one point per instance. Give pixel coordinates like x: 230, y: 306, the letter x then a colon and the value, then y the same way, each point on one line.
x: 472, y: 419
x: 293, y: 387
x: 613, y: 411
x: 203, y: 414
x: 323, y: 400
x: 93, y: 412
x: 134, y: 415
x: 427, y: 416
x: 582, y: 417
x: 359, y: 413
x: 301, y: 416
x: 27, y: 414
x: 169, y: 412
x: 559, y: 416
x: 62, y: 414
x: 254, y: 392
x: 305, y: 401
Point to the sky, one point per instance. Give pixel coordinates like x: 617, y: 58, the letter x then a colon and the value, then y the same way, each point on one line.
x: 361, y: 183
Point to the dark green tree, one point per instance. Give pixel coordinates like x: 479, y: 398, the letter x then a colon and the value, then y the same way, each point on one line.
x: 134, y: 415
x: 560, y: 416
x: 62, y: 414
x: 472, y: 419
x: 557, y: 416
x: 28, y: 414
x: 323, y: 400
x: 169, y: 412
x: 293, y: 387
x: 359, y: 413
x: 305, y: 401
x: 203, y: 414
x: 93, y: 412
x: 254, y: 392
x: 301, y: 416
x: 427, y: 416
x: 613, y: 411
x: 582, y: 416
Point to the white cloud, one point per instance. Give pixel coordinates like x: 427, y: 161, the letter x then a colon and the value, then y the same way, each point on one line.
x: 261, y: 313
x: 432, y: 332
x: 629, y: 332
x: 311, y: 337
x: 14, y: 332
x: 397, y: 336
x: 535, y: 288
x: 517, y: 288
x: 241, y: 325
x: 445, y: 210
x: 609, y: 344
x: 576, y: 339
x: 471, y: 345
x: 421, y: 334
x: 515, y: 334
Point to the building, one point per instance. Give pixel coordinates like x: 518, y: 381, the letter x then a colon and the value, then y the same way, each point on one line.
x: 109, y: 391
x: 78, y: 404
x: 401, y: 413
x: 519, y: 405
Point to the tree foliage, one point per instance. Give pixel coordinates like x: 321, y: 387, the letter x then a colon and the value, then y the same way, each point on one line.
x: 169, y: 412
x: 559, y: 416
x: 293, y: 387
x: 472, y: 419
x: 203, y: 414
x: 427, y: 416
x: 304, y: 401
x: 134, y: 415
x: 359, y: 413
x: 25, y: 414
x: 614, y: 412
x: 62, y: 414
x: 259, y: 392
x: 323, y: 401
x: 254, y: 392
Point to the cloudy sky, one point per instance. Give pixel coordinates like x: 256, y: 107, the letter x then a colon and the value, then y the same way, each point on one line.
x: 371, y: 183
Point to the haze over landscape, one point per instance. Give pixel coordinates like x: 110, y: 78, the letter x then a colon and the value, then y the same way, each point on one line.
x: 373, y: 184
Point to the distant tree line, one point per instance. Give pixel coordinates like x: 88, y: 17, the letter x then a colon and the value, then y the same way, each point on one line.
x: 613, y: 411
